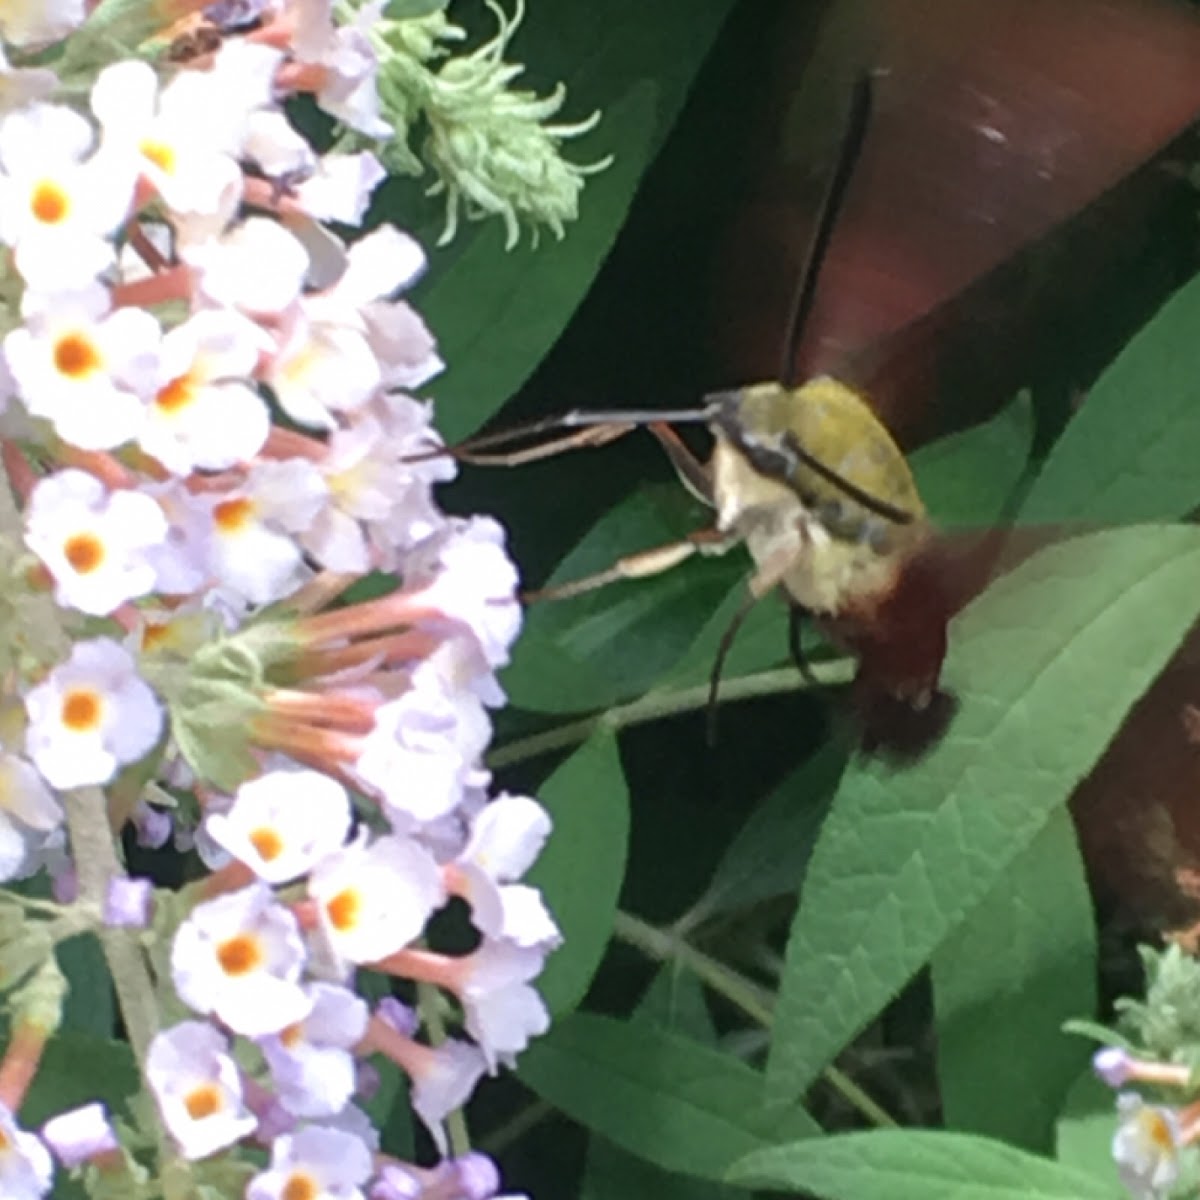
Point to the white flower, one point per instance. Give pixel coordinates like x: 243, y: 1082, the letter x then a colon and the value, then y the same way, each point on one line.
x: 80, y: 1134
x: 257, y: 267
x: 424, y: 751
x: 198, y: 1089
x: 345, y: 51
x: 381, y: 504
x: 92, y: 541
x: 84, y: 368
x: 443, y: 1078
x: 1146, y: 1147
x: 315, y: 1162
x: 29, y: 23
x: 204, y: 413
x: 311, y: 1062
x: 284, y: 822
x: 183, y: 139
x: 254, y: 549
x: 340, y: 186
x: 26, y: 1170
x: 240, y: 956
x: 502, y: 1011
x: 373, y: 900
x: 56, y: 209
x: 466, y: 575
x: 92, y: 715
x: 506, y: 836
x: 29, y: 812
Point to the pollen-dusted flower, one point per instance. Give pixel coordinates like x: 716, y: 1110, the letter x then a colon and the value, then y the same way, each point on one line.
x: 86, y: 369
x: 1146, y: 1147
x: 57, y: 206
x: 314, y: 1162
x: 240, y: 957
x: 198, y: 1089
x: 91, y: 716
x: 311, y: 1062
x: 373, y: 899
x: 93, y: 541
x: 282, y: 823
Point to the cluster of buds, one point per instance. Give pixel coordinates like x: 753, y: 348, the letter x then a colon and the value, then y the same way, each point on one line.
x: 208, y: 435
x: 1157, y: 1051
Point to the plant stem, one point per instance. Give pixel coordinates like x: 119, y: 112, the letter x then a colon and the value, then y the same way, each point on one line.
x: 667, y: 947
x: 658, y: 704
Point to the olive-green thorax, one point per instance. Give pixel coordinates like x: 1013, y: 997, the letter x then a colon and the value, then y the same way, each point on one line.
x: 770, y: 444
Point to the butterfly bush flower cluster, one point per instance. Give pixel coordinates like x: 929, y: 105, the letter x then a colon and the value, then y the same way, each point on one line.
x: 1151, y: 1062
x: 210, y: 431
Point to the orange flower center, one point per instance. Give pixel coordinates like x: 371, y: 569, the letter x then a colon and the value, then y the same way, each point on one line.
x: 49, y: 203
x: 267, y: 842
x: 343, y: 909
x: 231, y: 515
x: 239, y: 955
x: 75, y: 356
x: 81, y: 710
x: 85, y: 552
x: 202, y: 1102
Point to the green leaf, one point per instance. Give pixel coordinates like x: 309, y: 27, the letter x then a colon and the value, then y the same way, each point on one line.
x: 1003, y: 983
x: 969, y: 477
x: 495, y: 314
x: 595, y: 650
x: 1130, y: 452
x: 1085, y: 1131
x: 913, y: 1164
x: 674, y: 1002
x: 614, y: 1175
x: 77, y: 1069
x: 1048, y: 661
x: 668, y: 1099
x: 89, y: 1006
x: 769, y: 854
x: 581, y: 870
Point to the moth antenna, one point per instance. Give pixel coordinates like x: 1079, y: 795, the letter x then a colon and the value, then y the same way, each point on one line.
x: 848, y: 153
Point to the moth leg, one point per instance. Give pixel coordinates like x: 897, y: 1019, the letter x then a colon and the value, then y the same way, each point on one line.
x: 641, y: 565
x: 693, y: 474
x: 591, y: 435
x: 769, y: 575
x: 797, y: 614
